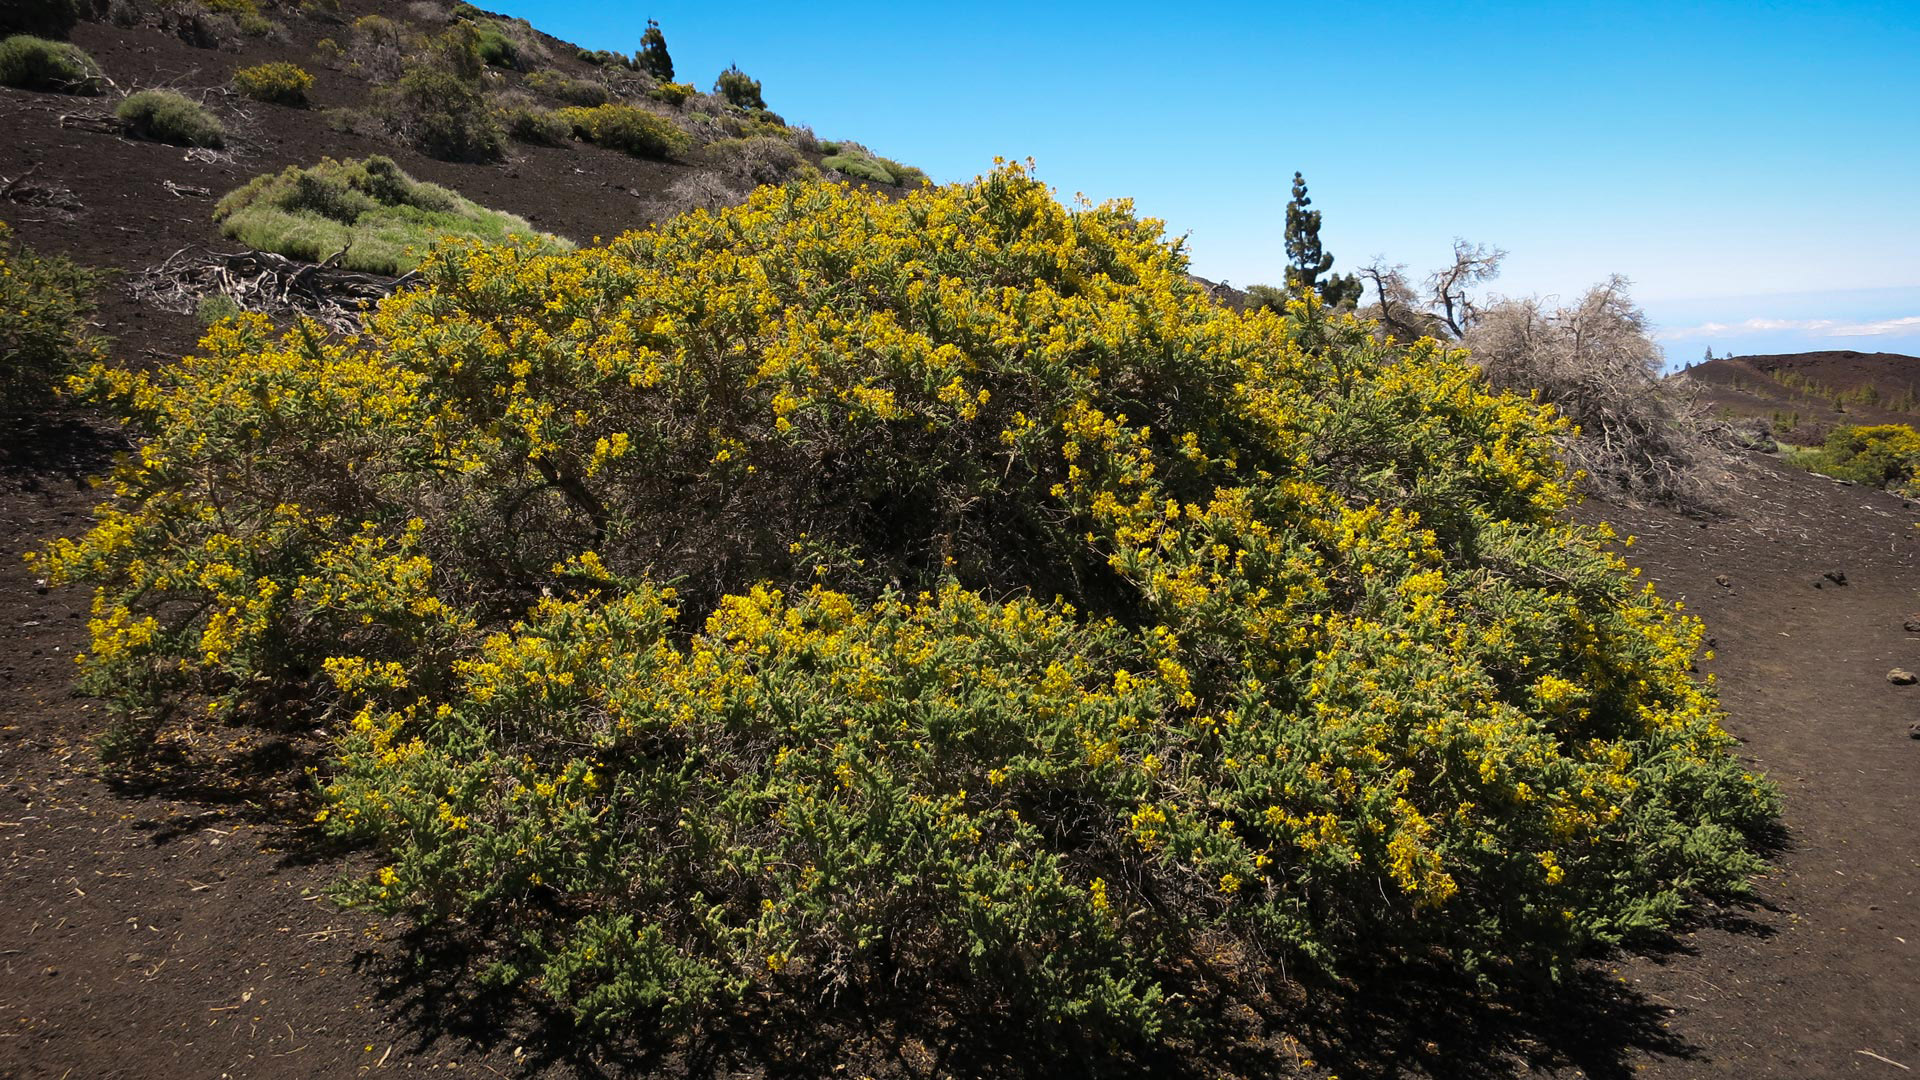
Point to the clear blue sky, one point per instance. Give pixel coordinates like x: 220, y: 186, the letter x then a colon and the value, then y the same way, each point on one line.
x: 1754, y: 168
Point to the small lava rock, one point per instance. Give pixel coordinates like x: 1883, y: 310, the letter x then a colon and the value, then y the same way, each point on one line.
x: 1914, y: 731
x: 1913, y: 625
x: 1723, y: 581
x: 1838, y: 577
x: 1902, y: 677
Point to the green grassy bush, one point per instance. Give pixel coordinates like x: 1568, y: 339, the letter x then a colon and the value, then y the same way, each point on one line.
x: 441, y: 115
x: 45, y: 301
x: 32, y: 63
x: 852, y: 159
x: 277, y: 82
x: 169, y: 117
x: 630, y: 130
x: 385, y: 219
x: 801, y: 594
x: 1878, y: 455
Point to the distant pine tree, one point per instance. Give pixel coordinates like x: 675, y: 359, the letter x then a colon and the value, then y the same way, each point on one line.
x: 1307, y: 260
x: 653, y: 53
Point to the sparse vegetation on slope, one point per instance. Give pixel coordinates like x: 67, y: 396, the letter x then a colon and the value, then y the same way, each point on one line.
x: 762, y: 606
x: 384, y: 220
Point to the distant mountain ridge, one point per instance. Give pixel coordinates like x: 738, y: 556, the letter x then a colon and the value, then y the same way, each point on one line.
x: 1806, y: 395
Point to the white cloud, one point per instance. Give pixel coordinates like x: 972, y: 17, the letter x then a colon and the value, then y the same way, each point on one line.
x: 1909, y: 324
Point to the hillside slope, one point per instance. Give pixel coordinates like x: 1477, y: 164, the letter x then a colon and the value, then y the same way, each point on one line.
x: 1806, y: 395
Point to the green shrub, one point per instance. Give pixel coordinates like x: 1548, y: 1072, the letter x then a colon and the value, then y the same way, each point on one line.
x: 277, y: 82
x: 441, y: 115
x: 630, y: 130
x: 496, y: 48
x: 572, y: 91
x: 32, y: 63
x: 1878, y: 455
x: 45, y: 301
x: 385, y: 219
x: 606, y: 59
x: 529, y: 123
x: 169, y: 117
x: 1092, y: 652
x: 739, y: 89
x: 214, y: 307
x: 852, y: 159
x: 858, y: 166
x: 457, y: 49
x: 55, y: 17
x: 672, y: 93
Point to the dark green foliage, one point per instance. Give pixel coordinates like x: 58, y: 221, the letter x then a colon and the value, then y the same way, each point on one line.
x: 496, y: 48
x: 1307, y: 260
x: 652, y: 57
x: 605, y: 58
x: 44, y: 304
x: 32, y: 63
x: 169, y: 117
x: 39, y: 16
x: 739, y: 89
x: 629, y: 130
x: 1267, y: 298
x: 441, y: 115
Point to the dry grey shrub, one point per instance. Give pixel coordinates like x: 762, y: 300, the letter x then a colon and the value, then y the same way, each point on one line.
x: 757, y: 160
x: 703, y: 189
x: 1641, y: 435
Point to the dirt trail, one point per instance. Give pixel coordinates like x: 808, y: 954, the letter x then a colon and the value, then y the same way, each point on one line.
x: 1827, y: 968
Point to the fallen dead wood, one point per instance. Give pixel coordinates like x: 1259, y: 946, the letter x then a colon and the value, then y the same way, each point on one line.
x: 47, y: 196
x: 265, y: 282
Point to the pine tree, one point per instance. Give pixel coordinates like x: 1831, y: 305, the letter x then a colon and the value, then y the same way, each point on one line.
x: 653, y: 53
x: 1306, y: 260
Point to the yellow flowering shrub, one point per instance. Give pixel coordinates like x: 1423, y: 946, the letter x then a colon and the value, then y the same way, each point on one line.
x: 44, y: 304
x: 763, y: 605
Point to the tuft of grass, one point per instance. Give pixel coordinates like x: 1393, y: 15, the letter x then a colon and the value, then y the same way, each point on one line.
x: 170, y: 117
x: 33, y: 63
x: 852, y: 159
x: 384, y: 219
x: 629, y: 130
x: 278, y: 83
